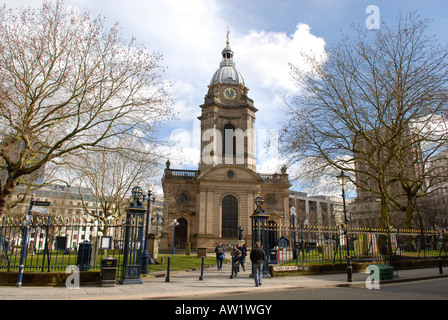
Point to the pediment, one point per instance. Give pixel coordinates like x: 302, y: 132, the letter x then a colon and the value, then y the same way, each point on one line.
x: 230, y: 173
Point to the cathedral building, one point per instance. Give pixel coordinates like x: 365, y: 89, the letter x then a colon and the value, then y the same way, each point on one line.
x: 215, y: 202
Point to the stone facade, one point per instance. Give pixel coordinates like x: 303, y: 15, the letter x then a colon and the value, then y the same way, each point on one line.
x: 212, y: 203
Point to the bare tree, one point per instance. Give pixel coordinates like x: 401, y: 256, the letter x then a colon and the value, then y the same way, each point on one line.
x: 68, y: 83
x: 374, y: 106
x: 110, y: 176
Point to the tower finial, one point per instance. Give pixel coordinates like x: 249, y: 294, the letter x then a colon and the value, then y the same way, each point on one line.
x: 228, y: 32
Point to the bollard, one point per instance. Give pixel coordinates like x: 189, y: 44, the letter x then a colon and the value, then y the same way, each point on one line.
x: 349, y: 269
x: 202, y: 269
x: 167, y: 278
x: 439, y: 259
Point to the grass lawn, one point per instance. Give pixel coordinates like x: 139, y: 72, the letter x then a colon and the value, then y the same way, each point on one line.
x: 58, y: 262
x: 182, y: 262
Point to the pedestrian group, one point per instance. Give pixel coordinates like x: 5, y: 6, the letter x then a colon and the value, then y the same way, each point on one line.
x: 238, y: 255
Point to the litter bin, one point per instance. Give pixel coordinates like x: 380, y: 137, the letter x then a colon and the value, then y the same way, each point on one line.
x: 386, y: 272
x: 84, y: 252
x: 273, y: 256
x: 108, y: 272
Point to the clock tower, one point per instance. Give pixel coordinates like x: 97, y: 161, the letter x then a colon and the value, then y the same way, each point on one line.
x: 227, y: 119
x: 216, y: 201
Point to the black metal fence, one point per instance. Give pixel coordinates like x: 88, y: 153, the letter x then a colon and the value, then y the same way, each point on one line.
x: 306, y: 244
x: 54, y: 244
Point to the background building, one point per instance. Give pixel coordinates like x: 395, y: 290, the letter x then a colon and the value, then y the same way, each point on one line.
x: 317, y: 210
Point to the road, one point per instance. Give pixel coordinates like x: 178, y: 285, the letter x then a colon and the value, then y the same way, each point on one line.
x: 435, y: 289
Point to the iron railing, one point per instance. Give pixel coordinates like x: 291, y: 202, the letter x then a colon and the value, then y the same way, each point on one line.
x: 308, y: 244
x: 54, y: 244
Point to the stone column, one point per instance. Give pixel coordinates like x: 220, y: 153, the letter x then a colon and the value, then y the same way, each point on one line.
x: 153, y: 245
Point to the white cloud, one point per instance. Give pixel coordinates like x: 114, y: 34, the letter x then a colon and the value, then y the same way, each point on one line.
x: 263, y: 59
x: 185, y: 106
x: 266, y: 55
x: 182, y: 151
x: 191, y: 35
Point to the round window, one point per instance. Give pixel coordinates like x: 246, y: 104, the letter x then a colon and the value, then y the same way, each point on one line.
x: 183, y: 198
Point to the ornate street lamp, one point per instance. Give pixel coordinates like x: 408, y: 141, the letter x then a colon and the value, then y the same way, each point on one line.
x: 343, y: 179
x: 137, y: 193
x: 259, y: 202
x: 175, y: 223
x: 260, y: 231
x: 158, y: 219
x: 145, y: 254
x: 132, y: 251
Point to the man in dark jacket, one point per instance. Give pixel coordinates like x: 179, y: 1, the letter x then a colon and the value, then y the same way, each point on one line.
x: 219, y: 250
x: 257, y: 257
x: 242, y: 261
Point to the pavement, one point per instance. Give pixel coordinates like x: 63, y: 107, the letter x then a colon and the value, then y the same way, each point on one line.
x: 187, y: 284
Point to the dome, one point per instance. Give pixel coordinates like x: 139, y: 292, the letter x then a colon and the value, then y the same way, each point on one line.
x: 227, y: 75
x: 227, y: 72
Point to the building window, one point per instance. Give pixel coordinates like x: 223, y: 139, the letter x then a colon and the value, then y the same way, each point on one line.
x: 229, y: 133
x: 229, y: 217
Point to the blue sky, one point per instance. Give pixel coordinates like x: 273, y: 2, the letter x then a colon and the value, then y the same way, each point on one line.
x: 265, y: 36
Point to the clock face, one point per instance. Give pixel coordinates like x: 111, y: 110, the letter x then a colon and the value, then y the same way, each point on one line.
x: 229, y: 93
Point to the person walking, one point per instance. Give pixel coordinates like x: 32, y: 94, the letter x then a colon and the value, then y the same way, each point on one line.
x: 220, y: 255
x: 243, y: 250
x: 257, y: 257
x: 236, y: 255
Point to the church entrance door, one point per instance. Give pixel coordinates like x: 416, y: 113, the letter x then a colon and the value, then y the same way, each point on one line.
x: 182, y: 233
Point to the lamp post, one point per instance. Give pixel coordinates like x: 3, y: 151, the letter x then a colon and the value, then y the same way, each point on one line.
x: 306, y: 223
x: 292, y: 212
x: 132, y: 252
x: 342, y: 179
x: 158, y: 219
x: 260, y: 231
x: 145, y: 254
x: 25, y: 243
x: 174, y: 224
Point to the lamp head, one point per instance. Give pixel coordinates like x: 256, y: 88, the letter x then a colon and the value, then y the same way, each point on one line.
x: 137, y: 193
x: 342, y: 178
x: 259, y: 201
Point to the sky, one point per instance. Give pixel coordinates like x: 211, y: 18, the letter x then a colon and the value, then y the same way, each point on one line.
x: 265, y: 35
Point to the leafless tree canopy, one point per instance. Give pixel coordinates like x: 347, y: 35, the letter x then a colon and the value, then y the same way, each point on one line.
x: 69, y: 83
x: 374, y: 106
x: 110, y: 177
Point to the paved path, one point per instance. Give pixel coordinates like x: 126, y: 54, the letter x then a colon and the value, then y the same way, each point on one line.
x: 187, y: 284
x: 432, y: 289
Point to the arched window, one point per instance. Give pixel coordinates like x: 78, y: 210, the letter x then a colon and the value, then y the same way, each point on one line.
x: 229, y: 217
x: 229, y: 137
